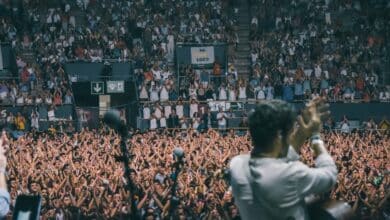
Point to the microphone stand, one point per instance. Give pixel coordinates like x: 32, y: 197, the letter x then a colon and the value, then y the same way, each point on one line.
x: 130, y: 185
x: 174, y: 202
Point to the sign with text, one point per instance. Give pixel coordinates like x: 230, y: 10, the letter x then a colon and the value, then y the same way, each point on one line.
x: 115, y: 86
x: 97, y: 88
x: 202, y: 55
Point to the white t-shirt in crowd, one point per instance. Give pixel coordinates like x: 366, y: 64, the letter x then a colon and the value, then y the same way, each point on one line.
x: 193, y: 109
x: 242, y: 92
x: 158, y: 113
x: 222, y: 94
x: 51, y: 115
x: 221, y: 117
x: 317, y: 71
x: 167, y: 110
x: 163, y: 122
x: 179, y: 111
x: 164, y: 96
x: 20, y: 100
x: 153, y: 123
x: 260, y: 94
x: 156, y: 74
x: 146, y: 112
x: 143, y: 94
x: 195, y: 123
x: 270, y: 92
x: 232, y: 95
x: 154, y: 95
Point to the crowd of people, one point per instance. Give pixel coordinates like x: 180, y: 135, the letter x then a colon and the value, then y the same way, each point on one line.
x: 36, y: 88
x: 96, y: 30
x: 81, y: 174
x: 334, y: 49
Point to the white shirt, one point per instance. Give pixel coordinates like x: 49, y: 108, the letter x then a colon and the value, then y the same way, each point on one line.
x: 146, y: 112
x: 179, y: 111
x: 153, y: 123
x: 242, y: 92
x: 157, y: 112
x: 163, y: 122
x: 154, y: 95
x: 345, y: 127
x: 167, y: 110
x: 35, y: 122
x: 221, y: 117
x: 232, y: 95
x: 270, y: 92
x: 193, y: 109
x: 20, y: 100
x: 156, y: 74
x: 222, y: 94
x: 51, y: 115
x: 143, y: 94
x: 271, y: 188
x: 164, y: 96
x: 317, y: 71
x: 195, y: 123
x: 261, y: 94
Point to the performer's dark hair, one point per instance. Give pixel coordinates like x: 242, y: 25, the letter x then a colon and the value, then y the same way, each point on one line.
x: 269, y: 118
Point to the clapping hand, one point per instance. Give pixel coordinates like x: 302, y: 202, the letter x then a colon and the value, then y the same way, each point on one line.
x: 309, y: 122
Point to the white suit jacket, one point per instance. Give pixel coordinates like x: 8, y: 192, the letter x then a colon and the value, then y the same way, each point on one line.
x: 270, y: 188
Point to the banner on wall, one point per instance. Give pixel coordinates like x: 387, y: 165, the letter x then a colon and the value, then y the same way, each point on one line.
x: 202, y: 55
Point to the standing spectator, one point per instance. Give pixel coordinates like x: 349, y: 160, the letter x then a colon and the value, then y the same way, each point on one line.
x: 242, y: 91
x: 164, y: 95
x: 158, y: 111
x: 68, y: 97
x: 51, y: 113
x: 222, y: 94
x: 298, y: 90
x: 163, y: 121
x: 193, y: 108
x: 269, y: 90
x: 222, y: 120
x: 20, y: 122
x: 153, y: 122
x: 57, y: 100
x: 35, y: 120
x: 260, y: 92
x: 146, y: 112
x: 154, y: 93
x: 344, y: 125
x: 143, y: 95
x: 173, y: 120
x: 196, y: 121
x: 180, y: 108
x: 232, y: 93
